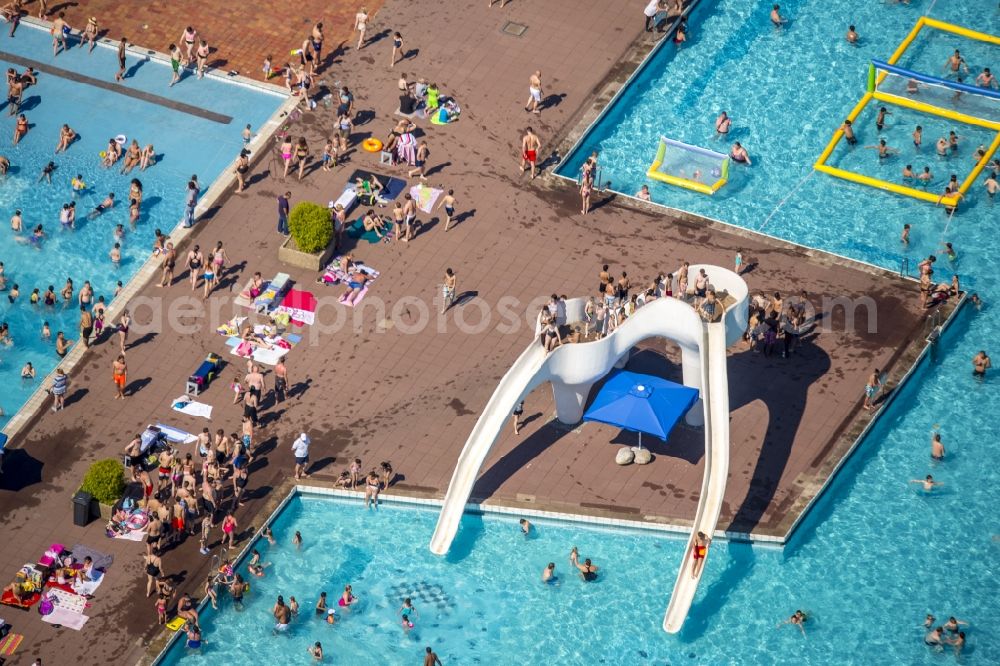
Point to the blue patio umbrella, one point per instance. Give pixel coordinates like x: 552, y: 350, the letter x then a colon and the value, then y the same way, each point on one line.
x: 641, y: 403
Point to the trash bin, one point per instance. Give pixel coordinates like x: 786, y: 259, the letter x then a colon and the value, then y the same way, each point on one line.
x: 82, y: 508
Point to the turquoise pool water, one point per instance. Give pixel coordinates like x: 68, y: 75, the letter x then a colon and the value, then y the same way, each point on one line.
x: 873, y: 558
x: 185, y: 145
x: 787, y: 91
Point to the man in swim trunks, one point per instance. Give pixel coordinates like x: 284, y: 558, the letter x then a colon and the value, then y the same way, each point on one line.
x: 848, y: 129
x: 86, y: 325
x: 534, y: 92
x: 987, y: 80
x: 119, y: 373
x: 355, y: 283
x: 60, y: 33
x: 776, y: 18
x: 409, y: 217
x: 956, y: 64
x: 121, y: 60
x: 530, y: 145
x: 108, y: 203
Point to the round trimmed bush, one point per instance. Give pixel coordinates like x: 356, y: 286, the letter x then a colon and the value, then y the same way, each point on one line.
x: 105, y: 481
x: 311, y: 227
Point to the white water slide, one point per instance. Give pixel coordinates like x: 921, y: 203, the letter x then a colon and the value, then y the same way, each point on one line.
x: 573, y: 369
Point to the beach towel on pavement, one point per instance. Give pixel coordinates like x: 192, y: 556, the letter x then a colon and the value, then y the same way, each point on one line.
x: 66, y: 618
x: 186, y: 405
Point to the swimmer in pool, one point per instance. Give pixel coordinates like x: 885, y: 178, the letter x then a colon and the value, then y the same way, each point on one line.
x: 848, y: 129
x: 108, y: 203
x: 852, y: 35
x: 116, y: 254
x: 905, y: 237
x: 992, y: 186
x: 880, y: 118
x: 912, y: 86
x: 884, y: 150
x: 776, y: 18
x: 987, y: 80
x: 926, y: 176
x: 797, y: 619
x: 928, y: 483
x: 937, y: 447
x: 16, y: 222
x: 980, y: 364
x: 46, y: 173
x: 941, y: 146
x: 955, y: 64
x: 722, y: 124
x: 918, y: 137
x: 549, y: 574
x: 525, y: 526
x: 739, y: 154
x: 643, y: 193
x: 908, y: 172
x: 588, y: 571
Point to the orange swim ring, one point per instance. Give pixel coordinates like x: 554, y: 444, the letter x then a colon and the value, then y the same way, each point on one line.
x: 372, y: 145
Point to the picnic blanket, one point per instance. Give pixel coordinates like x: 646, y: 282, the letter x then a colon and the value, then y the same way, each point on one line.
x: 334, y: 275
x: 357, y: 230
x: 100, y: 560
x: 66, y: 618
x: 68, y: 600
x: 392, y: 188
x: 186, y: 405
x: 299, y: 305
x: 425, y: 197
x: 9, y: 644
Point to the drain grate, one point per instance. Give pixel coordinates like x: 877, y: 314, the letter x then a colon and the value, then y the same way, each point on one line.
x: 511, y: 28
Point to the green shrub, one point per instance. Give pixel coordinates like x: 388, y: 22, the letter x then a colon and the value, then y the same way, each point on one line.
x: 105, y: 480
x: 311, y: 226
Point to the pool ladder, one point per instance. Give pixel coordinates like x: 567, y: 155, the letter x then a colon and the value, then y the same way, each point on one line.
x: 904, y: 267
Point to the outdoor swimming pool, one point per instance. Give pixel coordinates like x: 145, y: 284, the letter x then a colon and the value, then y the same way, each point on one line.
x: 185, y: 144
x: 871, y: 560
x: 787, y: 91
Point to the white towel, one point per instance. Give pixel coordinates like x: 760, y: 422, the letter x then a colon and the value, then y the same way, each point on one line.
x: 66, y: 618
x: 185, y: 405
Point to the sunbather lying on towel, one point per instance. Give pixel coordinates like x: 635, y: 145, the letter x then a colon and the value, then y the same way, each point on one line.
x: 355, y: 283
x: 253, y: 338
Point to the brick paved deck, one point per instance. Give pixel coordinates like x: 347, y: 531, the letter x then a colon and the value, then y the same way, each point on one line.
x: 241, y: 34
x: 378, y: 394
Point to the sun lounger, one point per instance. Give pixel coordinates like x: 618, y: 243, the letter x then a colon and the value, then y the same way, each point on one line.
x: 204, y: 375
x: 347, y: 199
x: 272, y: 294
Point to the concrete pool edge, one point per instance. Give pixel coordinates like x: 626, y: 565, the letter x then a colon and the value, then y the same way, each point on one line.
x: 213, y: 197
